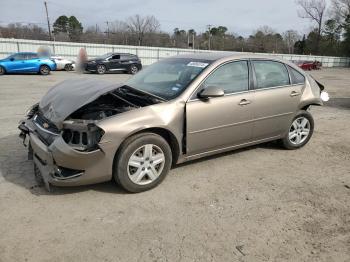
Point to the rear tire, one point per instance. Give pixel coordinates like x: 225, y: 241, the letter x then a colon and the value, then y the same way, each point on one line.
x: 2, y: 70
x: 44, y: 70
x: 68, y: 67
x: 142, y: 163
x: 101, y: 69
x: 299, y: 132
x: 133, y: 69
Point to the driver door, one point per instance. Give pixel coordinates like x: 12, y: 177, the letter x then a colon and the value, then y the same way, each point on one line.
x: 221, y: 122
x: 17, y: 64
x: 114, y: 62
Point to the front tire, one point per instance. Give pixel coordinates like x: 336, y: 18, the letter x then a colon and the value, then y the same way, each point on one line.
x: 300, y: 131
x: 142, y: 163
x: 2, y: 70
x: 44, y: 70
x: 101, y: 69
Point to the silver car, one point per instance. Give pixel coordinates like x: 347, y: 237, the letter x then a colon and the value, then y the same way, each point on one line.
x: 179, y: 109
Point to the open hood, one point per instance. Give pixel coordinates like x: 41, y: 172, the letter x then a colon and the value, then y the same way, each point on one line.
x: 68, y: 96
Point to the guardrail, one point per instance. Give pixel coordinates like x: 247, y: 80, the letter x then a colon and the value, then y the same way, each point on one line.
x: 148, y: 55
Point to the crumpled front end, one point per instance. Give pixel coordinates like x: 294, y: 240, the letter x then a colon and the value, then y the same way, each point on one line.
x: 64, y: 133
x: 61, y: 160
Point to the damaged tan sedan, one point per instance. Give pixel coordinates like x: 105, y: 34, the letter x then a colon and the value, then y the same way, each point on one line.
x: 179, y: 109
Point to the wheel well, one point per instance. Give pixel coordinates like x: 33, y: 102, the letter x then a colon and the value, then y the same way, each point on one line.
x: 167, y: 135
x: 3, y: 68
x: 305, y: 108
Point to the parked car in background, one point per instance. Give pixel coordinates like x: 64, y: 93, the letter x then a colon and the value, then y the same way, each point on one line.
x: 26, y: 62
x: 114, y: 62
x: 63, y: 64
x: 178, y: 109
x: 305, y: 65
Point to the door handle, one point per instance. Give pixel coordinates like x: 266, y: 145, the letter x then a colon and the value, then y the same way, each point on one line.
x: 294, y: 93
x: 244, y: 102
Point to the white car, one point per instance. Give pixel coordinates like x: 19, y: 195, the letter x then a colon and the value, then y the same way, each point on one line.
x: 64, y: 64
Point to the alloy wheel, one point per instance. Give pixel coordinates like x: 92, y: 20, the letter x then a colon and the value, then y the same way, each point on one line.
x: 44, y: 70
x: 299, y: 131
x: 101, y: 69
x: 134, y: 70
x: 146, y: 164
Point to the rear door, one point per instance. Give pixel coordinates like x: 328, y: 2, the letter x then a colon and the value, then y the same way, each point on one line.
x: 276, y: 98
x: 225, y: 121
x: 32, y: 62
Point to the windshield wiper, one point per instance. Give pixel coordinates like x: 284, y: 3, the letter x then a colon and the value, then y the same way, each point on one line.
x: 159, y: 99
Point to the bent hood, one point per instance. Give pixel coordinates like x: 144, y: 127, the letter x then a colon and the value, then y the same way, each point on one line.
x: 68, y: 96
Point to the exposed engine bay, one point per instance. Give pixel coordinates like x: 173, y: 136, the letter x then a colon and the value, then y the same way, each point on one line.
x: 79, y: 129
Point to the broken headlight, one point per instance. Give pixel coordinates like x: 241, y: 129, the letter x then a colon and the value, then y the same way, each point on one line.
x: 32, y: 110
x: 81, y: 135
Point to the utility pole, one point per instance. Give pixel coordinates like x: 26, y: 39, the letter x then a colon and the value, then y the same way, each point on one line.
x: 48, y: 20
x: 209, y: 29
x: 107, y: 30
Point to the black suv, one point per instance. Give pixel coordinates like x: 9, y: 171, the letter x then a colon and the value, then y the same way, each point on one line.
x: 114, y: 62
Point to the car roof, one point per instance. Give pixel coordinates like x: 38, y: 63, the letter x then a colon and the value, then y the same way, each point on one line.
x: 121, y: 54
x: 25, y: 53
x: 213, y: 56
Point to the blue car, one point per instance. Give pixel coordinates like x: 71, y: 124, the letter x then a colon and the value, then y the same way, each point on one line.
x: 27, y: 63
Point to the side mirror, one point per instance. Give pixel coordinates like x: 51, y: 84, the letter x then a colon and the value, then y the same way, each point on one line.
x: 211, y: 91
x: 12, y: 59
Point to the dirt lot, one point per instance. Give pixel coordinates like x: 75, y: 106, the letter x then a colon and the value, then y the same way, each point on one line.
x: 256, y: 204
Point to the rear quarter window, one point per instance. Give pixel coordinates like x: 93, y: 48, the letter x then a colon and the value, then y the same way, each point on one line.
x: 297, y: 77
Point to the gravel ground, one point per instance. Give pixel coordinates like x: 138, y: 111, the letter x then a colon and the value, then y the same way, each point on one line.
x: 257, y: 204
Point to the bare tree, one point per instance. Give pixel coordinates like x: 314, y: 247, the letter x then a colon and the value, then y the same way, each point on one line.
x: 291, y: 37
x: 141, y: 25
x: 315, y: 11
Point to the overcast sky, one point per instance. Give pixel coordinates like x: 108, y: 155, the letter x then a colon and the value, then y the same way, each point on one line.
x: 241, y: 17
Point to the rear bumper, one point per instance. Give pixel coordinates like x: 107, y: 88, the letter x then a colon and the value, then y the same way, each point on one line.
x: 61, y: 165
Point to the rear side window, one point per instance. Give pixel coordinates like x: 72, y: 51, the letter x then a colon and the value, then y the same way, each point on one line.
x: 32, y: 56
x: 232, y: 77
x: 270, y: 74
x: 297, y: 77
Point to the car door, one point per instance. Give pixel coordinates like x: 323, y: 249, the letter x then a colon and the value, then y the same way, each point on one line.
x: 32, y: 62
x: 114, y: 63
x: 16, y: 63
x: 225, y: 121
x: 276, y: 99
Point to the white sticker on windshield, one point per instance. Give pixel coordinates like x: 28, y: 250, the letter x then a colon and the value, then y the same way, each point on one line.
x: 197, y: 64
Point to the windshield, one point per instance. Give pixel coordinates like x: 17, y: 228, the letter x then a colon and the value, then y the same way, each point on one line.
x: 168, y: 78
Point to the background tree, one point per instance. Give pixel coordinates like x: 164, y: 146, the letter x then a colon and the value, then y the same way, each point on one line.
x: 60, y: 25
x: 291, y: 37
x: 315, y: 11
x: 75, y: 29
x: 141, y: 25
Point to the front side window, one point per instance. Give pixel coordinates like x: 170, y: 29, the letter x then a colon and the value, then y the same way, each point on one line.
x: 270, y: 74
x: 232, y: 77
x: 18, y: 57
x: 168, y: 78
x: 115, y: 57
